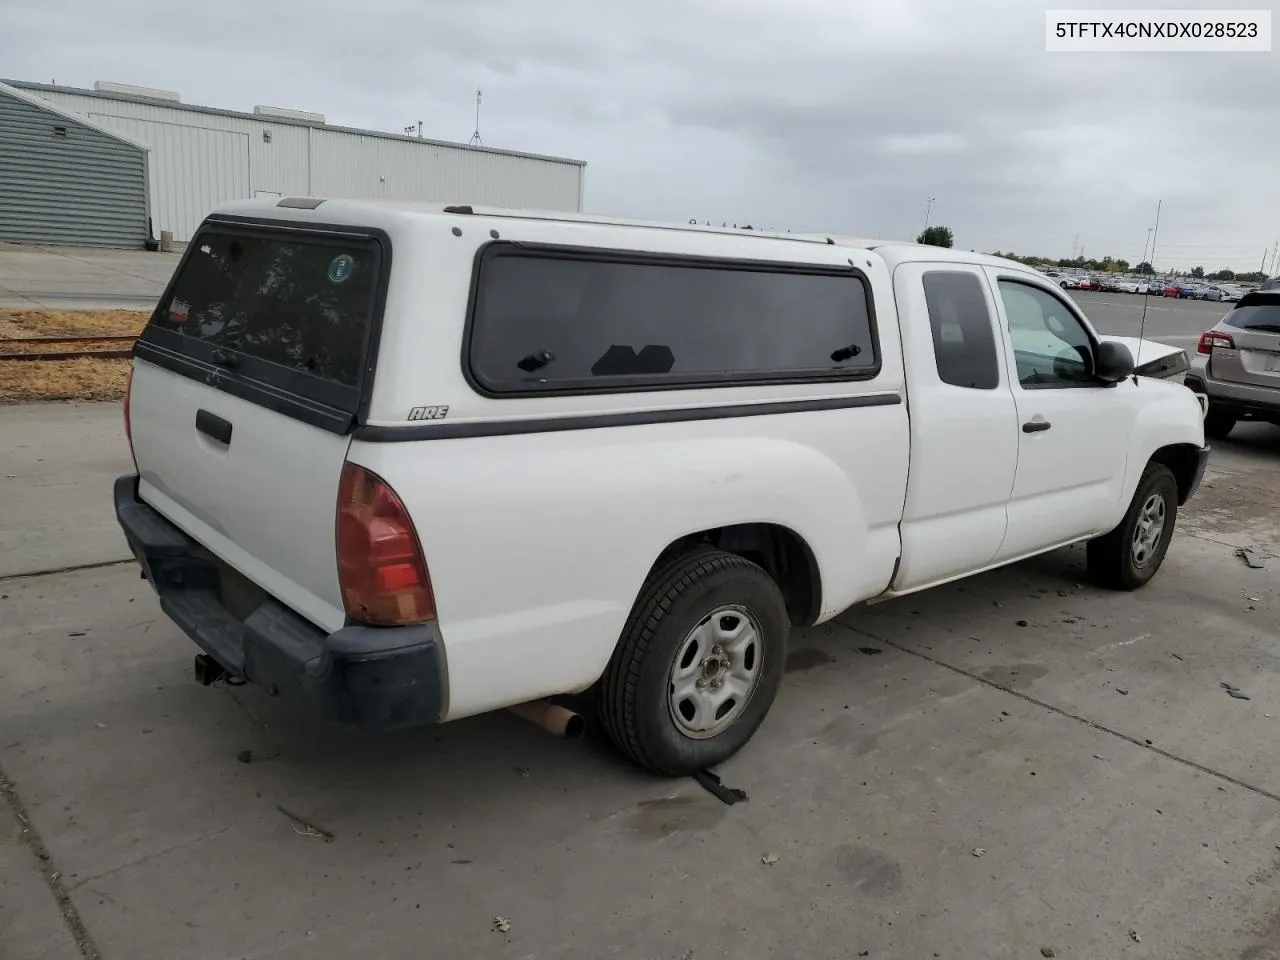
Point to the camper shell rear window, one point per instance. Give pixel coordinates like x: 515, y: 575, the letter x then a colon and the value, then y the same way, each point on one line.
x: 292, y: 312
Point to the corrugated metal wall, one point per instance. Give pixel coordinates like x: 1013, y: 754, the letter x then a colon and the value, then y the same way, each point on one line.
x: 79, y: 186
x: 193, y: 169
x: 200, y: 159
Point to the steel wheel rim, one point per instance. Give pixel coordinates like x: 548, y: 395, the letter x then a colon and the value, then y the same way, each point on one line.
x: 1149, y: 529
x: 715, y: 672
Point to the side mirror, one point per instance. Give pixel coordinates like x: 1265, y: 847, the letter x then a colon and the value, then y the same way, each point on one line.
x: 1113, y: 362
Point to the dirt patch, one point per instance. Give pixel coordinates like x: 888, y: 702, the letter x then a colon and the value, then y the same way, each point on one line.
x: 83, y: 378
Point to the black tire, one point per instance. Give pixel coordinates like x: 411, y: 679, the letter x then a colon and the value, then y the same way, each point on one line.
x: 1111, y: 557
x: 681, y: 593
x: 1218, y: 423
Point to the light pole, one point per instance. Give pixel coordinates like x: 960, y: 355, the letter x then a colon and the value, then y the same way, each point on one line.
x: 1147, y: 244
x: 928, y: 210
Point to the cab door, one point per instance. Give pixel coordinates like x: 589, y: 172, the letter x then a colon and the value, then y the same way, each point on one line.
x: 1073, y: 431
x: 964, y: 423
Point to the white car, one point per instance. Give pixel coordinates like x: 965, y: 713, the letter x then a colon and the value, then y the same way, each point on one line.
x: 1128, y: 286
x: 402, y: 463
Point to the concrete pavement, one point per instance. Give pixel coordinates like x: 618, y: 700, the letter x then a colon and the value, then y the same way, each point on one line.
x: 1008, y: 714
x: 81, y: 278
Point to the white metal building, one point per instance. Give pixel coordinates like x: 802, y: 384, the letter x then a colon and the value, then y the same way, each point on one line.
x: 202, y: 156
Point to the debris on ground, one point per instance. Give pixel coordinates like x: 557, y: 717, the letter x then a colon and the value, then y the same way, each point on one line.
x: 979, y: 852
x: 1234, y: 691
x: 1022, y: 623
x: 870, y: 651
x: 502, y: 924
x: 1047, y: 952
x: 245, y: 756
x: 1251, y: 557
x: 711, y: 783
x: 1123, y: 693
x: 305, y: 828
x: 1133, y: 935
x: 769, y: 859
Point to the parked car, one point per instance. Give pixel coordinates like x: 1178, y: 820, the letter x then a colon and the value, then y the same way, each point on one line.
x: 1068, y: 283
x: 402, y: 465
x: 1237, y: 364
x: 1127, y: 286
x: 1210, y: 292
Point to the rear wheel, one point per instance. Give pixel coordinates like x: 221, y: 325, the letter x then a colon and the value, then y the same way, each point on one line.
x: 698, y: 665
x: 1129, y: 556
x: 1218, y: 422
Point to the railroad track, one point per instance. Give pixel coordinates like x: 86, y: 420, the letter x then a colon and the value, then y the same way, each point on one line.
x: 33, y: 348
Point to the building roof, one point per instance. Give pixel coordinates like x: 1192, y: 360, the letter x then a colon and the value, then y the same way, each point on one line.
x: 77, y: 118
x: 272, y: 118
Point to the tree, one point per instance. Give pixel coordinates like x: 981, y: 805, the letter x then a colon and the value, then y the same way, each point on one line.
x: 936, y: 236
x: 1223, y: 275
x: 1122, y: 266
x: 1197, y: 273
x: 1145, y: 269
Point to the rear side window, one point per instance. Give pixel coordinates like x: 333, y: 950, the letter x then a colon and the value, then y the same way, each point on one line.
x: 293, y: 311
x: 964, y: 343
x: 547, y: 321
x: 1256, y: 312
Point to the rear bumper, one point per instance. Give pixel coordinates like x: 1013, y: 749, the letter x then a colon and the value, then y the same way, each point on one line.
x: 380, y: 678
x: 1242, y: 399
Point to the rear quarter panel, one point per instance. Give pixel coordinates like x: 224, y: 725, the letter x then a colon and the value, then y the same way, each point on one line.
x: 538, y: 544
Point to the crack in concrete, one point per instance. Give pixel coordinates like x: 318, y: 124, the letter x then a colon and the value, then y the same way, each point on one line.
x: 1101, y: 728
x: 52, y: 877
x: 73, y: 568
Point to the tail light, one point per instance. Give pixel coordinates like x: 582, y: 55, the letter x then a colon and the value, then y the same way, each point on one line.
x: 381, y: 569
x: 128, y: 424
x: 1213, y: 338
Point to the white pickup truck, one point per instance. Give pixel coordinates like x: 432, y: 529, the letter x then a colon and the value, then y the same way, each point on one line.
x: 408, y: 463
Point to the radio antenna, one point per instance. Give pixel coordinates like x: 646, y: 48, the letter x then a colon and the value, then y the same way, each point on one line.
x: 1142, y: 324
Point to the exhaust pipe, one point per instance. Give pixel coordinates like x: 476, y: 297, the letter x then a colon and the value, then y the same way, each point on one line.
x: 556, y: 720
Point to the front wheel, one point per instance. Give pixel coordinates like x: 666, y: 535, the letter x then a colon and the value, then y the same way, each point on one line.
x: 698, y: 664
x: 1129, y: 556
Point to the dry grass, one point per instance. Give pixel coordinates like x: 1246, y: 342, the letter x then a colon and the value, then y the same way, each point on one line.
x: 20, y: 324
x: 24, y: 381
x: 84, y: 378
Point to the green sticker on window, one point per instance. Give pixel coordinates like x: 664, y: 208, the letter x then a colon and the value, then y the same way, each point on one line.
x: 341, y: 267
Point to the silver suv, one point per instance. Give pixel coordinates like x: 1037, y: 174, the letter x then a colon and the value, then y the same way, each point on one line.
x: 1237, y: 364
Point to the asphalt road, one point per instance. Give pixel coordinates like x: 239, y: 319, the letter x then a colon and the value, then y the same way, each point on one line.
x: 1178, y: 323
x: 1010, y: 763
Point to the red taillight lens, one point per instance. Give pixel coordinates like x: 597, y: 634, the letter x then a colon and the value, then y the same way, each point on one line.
x: 128, y: 425
x: 381, y: 569
x: 1213, y: 338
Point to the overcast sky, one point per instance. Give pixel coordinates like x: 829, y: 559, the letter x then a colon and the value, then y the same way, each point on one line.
x: 824, y: 115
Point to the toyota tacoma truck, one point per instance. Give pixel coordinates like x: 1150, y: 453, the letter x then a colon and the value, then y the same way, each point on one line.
x: 407, y: 463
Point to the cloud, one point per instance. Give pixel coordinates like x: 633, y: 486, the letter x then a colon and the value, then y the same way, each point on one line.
x: 839, y: 115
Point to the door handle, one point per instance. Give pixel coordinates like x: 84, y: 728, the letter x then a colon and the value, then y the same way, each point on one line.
x: 212, y: 425
x: 1036, y: 426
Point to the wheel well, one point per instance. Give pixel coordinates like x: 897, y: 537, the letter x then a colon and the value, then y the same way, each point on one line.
x: 779, y: 551
x: 1181, y: 459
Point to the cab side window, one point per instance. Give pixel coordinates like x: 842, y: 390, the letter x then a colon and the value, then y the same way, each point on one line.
x: 964, y: 343
x: 1050, y: 345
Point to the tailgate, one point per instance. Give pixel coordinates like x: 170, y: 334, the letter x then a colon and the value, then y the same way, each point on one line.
x: 246, y: 384
x: 1254, y: 326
